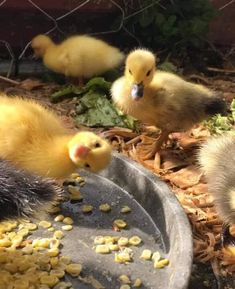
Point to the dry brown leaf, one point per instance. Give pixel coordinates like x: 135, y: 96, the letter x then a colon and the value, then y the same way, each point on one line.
x: 147, y: 140
x: 198, y: 189
x: 189, y: 142
x: 184, y: 139
x: 200, y: 132
x: 229, y: 96
x: 186, y: 177
x: 149, y: 164
x: 172, y: 162
x: 117, y: 131
x: 30, y: 84
x: 157, y: 162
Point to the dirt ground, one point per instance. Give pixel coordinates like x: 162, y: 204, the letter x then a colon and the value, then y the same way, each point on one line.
x: 176, y: 165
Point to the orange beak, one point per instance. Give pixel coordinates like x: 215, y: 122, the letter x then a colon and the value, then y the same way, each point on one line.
x: 82, y: 151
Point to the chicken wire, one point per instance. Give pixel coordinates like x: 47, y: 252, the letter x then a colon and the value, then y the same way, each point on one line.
x: 125, y: 10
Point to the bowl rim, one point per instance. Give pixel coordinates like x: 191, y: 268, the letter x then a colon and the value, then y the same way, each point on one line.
x: 179, y: 279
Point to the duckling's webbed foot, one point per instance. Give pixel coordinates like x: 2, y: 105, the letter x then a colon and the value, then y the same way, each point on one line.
x: 226, y: 238
x: 155, y: 148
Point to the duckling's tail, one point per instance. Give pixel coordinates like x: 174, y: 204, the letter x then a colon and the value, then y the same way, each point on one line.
x: 23, y: 194
x: 116, y: 58
x: 215, y: 105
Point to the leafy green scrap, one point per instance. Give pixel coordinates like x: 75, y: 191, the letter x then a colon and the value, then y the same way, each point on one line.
x: 66, y: 92
x: 94, y: 107
x: 219, y: 124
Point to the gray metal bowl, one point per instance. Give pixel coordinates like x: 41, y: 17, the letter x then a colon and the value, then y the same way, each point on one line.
x: 156, y: 217
x: 166, y: 213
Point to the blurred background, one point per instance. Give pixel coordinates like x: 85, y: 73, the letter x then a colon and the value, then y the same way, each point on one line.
x: 173, y: 29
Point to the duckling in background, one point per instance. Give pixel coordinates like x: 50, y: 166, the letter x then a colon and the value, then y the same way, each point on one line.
x: 78, y: 56
x: 23, y: 194
x: 33, y: 138
x: 217, y: 160
x: 161, y: 98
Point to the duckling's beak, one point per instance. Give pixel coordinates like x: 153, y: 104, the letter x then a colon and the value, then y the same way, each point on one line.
x: 137, y: 91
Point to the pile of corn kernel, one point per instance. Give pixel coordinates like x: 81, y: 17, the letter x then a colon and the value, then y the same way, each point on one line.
x: 124, y: 254
x: 38, y: 264
x: 32, y: 264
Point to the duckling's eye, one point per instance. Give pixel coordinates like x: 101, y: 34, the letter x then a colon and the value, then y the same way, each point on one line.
x: 148, y: 73
x: 130, y: 72
x: 86, y: 165
x: 97, y: 145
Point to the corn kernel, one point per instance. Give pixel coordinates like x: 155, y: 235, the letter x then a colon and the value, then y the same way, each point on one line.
x: 21, y: 284
x: 5, y: 242
x: 146, y: 254
x: 109, y: 240
x: 73, y: 269
x: 23, y: 232
x: 58, y: 273
x: 102, y: 249
x: 10, y: 235
x: 68, y: 221
x: 99, y: 240
x: 137, y: 283
x: 75, y: 193
x: 65, y: 259
x: 75, y: 175
x: 16, y: 241
x: 124, y: 256
x: 156, y: 256
x: 114, y: 247
x: 67, y: 227
x: 135, y: 241
x: 50, y: 280
x: 87, y: 208
x: 44, y: 243
x: 58, y: 234
x: 125, y: 210
x: 53, y: 252
x: 161, y: 264
x: 120, y: 223
x: 28, y: 249
x: 54, y: 243
x: 51, y: 229
x: 54, y: 261
x: 80, y: 180
x: 45, y: 224
x: 30, y: 226
x: 124, y: 279
x: 123, y: 241
x: 105, y: 208
x: 59, y: 218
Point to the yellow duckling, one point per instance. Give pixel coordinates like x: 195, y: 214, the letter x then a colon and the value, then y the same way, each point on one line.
x: 161, y: 98
x: 78, y: 56
x: 33, y: 138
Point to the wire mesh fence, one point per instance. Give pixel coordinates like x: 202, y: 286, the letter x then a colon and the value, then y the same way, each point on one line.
x: 26, y: 18
x: 60, y: 20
